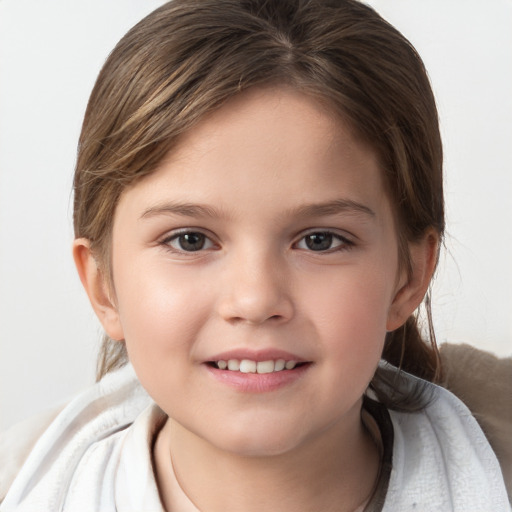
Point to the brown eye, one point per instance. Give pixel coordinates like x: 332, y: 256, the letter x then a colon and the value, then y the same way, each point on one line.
x: 319, y: 241
x: 323, y: 241
x: 190, y: 241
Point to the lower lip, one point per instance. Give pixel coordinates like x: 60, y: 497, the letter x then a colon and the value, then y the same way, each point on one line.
x: 258, y: 382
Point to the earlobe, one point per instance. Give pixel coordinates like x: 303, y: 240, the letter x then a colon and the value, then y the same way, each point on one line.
x: 410, y: 293
x: 97, y: 288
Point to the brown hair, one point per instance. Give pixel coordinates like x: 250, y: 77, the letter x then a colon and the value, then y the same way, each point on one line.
x: 189, y: 56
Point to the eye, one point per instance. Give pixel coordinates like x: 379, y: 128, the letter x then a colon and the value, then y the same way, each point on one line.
x: 188, y: 241
x: 322, y: 241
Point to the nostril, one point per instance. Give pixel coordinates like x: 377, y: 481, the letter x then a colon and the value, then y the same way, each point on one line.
x: 257, y: 321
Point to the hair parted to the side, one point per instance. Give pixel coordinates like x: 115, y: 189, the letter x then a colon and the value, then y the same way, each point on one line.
x: 190, y: 56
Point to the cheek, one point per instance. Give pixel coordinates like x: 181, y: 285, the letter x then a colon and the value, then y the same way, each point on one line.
x: 351, y: 309
x: 160, y: 310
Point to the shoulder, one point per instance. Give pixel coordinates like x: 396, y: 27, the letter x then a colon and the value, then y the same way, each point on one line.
x: 40, y: 458
x: 442, y: 460
x: 16, y: 444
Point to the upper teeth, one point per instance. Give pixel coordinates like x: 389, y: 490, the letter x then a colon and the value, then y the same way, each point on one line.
x: 249, y: 366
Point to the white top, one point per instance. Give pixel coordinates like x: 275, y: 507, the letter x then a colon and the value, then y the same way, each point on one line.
x: 96, y: 456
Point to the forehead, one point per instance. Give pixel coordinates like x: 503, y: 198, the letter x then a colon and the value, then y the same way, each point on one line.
x: 274, y: 143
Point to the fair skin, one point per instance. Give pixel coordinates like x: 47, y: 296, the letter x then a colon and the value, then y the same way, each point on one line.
x: 265, y: 235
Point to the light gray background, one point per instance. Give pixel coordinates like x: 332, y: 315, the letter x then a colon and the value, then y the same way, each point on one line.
x: 50, y: 54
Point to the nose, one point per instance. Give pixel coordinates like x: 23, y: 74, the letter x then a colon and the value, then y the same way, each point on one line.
x: 255, y: 290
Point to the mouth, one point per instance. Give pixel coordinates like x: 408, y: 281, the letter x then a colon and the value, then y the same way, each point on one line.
x: 259, y: 367
x: 260, y: 374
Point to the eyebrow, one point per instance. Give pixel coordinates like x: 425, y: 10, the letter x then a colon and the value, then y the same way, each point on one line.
x: 335, y: 207
x: 183, y: 209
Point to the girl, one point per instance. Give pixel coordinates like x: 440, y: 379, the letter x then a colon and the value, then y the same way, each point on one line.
x: 258, y: 212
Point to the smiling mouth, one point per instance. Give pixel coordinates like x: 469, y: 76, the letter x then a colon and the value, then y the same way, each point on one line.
x: 250, y: 366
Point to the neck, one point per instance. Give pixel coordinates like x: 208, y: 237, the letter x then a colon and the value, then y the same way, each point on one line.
x: 336, y: 471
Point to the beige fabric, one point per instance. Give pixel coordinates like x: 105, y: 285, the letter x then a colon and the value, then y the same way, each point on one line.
x: 484, y: 383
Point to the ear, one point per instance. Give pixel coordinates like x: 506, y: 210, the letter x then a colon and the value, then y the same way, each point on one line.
x: 97, y: 288
x: 411, y: 289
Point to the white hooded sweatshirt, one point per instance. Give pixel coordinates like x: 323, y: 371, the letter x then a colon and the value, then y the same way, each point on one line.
x: 96, y: 457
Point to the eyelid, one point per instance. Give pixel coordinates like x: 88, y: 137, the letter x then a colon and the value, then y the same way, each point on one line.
x: 339, y: 233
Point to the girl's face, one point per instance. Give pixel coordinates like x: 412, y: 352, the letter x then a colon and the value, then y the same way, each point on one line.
x: 265, y: 237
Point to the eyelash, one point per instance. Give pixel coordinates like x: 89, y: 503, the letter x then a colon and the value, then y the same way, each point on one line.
x: 344, y: 243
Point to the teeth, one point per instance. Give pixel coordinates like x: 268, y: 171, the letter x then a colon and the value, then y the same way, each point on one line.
x: 249, y: 366
x: 279, y: 365
x: 233, y: 365
x: 265, y: 367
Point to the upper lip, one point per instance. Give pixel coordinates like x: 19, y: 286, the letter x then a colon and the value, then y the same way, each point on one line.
x: 257, y: 355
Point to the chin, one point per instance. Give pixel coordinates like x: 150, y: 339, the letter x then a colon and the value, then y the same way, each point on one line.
x: 258, y: 441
